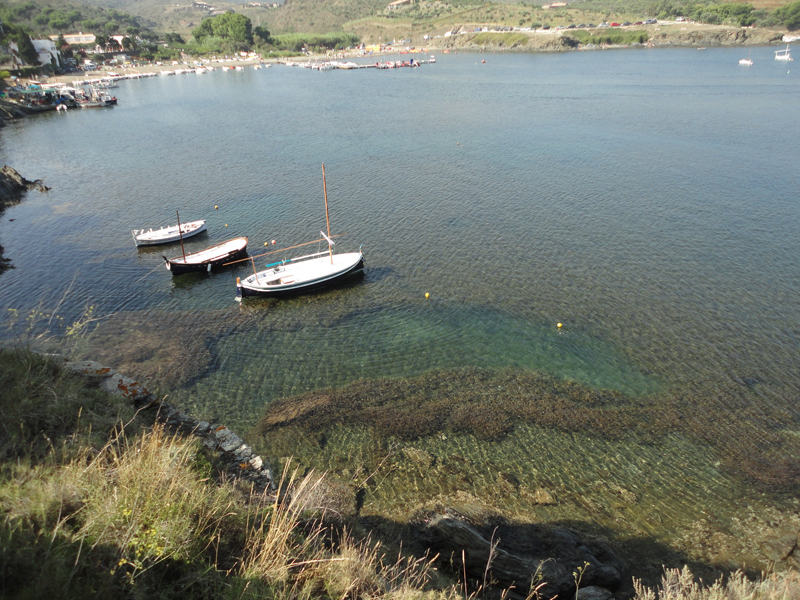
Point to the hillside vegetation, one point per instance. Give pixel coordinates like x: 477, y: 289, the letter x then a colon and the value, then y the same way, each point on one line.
x: 372, y: 19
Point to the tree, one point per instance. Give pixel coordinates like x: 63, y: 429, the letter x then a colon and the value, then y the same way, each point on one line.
x: 229, y: 27
x: 63, y: 46
x: 262, y: 34
x: 789, y: 15
x: 25, y: 48
x: 59, y: 21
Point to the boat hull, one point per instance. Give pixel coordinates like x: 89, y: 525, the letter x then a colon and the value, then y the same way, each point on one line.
x: 166, y: 235
x: 250, y: 286
x: 197, y: 263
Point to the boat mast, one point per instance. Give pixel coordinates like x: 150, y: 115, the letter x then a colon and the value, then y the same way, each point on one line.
x: 327, y: 219
x: 181, y: 236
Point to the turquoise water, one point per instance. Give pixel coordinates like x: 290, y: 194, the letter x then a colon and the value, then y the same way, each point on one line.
x: 645, y: 199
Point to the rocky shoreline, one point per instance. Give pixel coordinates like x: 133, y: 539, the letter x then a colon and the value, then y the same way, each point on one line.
x: 672, y: 35
x: 12, y: 187
x: 237, y: 458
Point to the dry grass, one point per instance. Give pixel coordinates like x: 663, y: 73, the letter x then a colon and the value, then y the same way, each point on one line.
x: 679, y: 584
x: 292, y: 554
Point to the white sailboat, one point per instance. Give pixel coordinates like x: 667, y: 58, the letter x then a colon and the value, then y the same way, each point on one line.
x: 298, y: 275
x: 783, y: 55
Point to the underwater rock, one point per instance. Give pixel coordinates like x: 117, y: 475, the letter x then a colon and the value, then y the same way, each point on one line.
x: 421, y: 457
x: 782, y: 545
x: 519, y: 554
x: 541, y: 496
x: 507, y: 482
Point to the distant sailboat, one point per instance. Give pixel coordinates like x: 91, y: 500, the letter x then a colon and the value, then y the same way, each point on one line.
x: 746, y: 61
x: 783, y: 54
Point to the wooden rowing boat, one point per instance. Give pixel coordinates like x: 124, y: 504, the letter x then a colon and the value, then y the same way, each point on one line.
x: 210, y: 258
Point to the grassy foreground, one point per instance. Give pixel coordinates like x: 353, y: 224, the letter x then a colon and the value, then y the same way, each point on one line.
x: 97, y: 502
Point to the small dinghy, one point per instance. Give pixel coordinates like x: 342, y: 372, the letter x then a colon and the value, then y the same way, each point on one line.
x: 150, y: 237
x: 205, y: 260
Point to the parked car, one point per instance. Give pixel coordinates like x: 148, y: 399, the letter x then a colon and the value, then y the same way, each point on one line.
x: 615, y: 24
x: 638, y: 23
x: 626, y: 23
x: 571, y: 26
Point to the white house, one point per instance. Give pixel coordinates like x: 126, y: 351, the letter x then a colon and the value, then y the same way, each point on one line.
x: 46, y: 49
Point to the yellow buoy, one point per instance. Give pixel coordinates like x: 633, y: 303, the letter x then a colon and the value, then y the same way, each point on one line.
x: 558, y: 325
x: 216, y: 207
x: 226, y: 224
x: 427, y: 295
x: 266, y: 243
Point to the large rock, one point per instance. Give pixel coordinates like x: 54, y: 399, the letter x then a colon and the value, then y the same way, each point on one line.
x: 13, y: 185
x: 520, y: 555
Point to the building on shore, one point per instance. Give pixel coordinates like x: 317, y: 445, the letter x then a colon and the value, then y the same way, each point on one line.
x: 46, y: 51
x: 77, y: 38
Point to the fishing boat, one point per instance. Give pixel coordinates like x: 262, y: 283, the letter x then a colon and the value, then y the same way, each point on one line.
x: 165, y: 235
x: 294, y: 276
x: 205, y: 260
x: 783, y: 55
x: 95, y: 98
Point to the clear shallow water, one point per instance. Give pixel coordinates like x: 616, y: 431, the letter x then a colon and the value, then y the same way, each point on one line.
x: 645, y: 199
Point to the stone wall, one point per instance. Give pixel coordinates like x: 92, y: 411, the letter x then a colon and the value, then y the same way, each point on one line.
x: 237, y: 457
